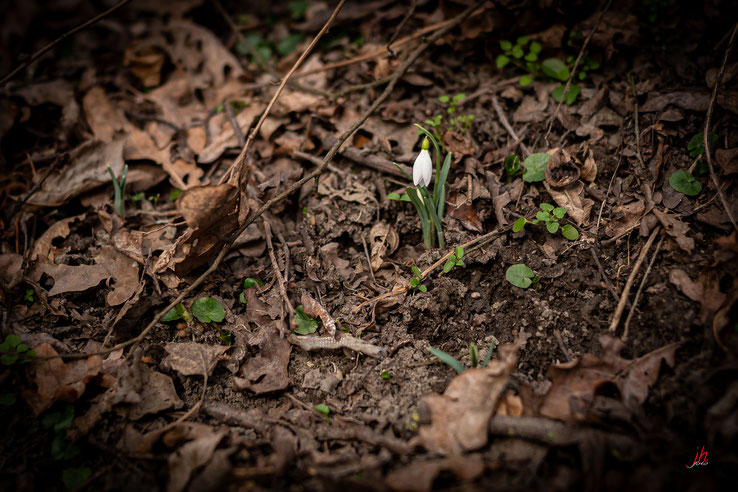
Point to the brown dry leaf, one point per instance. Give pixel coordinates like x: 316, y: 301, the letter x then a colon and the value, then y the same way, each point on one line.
x: 418, y: 476
x: 224, y: 137
x: 143, y: 391
x: 467, y: 215
x: 200, y: 206
x: 267, y: 371
x: 630, y: 215
x: 532, y: 109
x: 458, y: 144
x: 44, y: 251
x: 192, y: 455
x: 11, y: 269
x: 140, y: 145
x: 589, y: 169
x: 329, y: 253
x: 460, y: 417
x: 56, y: 380
x: 192, y: 359
x: 105, y: 120
x: 676, y: 229
x: 727, y: 160
x: 77, y: 278
x: 706, y: 290
x: 296, y: 102
x: 575, y: 384
x: 87, y: 169
x: 383, y: 240
x: 572, y: 199
x: 145, y: 61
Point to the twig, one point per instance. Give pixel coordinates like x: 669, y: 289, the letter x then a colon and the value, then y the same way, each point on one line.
x: 234, y: 123
x: 560, y: 341
x: 400, y: 27
x: 236, y: 168
x: 309, y: 343
x: 631, y: 278
x: 399, y: 72
x: 275, y: 267
x: 574, y: 69
x: 58, y: 40
x: 368, y: 259
x: 609, y: 285
x: 640, y: 289
x: 609, y: 187
x: 706, y: 131
x: 506, y: 124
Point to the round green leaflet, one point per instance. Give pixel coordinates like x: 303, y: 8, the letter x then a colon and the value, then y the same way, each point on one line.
x: 570, y: 232
x: 207, y: 309
x: 685, y: 183
x: 535, y: 167
x: 520, y: 275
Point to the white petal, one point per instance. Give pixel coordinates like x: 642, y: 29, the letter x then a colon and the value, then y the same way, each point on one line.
x: 422, y: 169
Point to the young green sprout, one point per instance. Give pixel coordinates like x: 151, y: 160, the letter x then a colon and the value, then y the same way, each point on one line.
x: 549, y: 216
x: 454, y: 259
x: 415, y: 282
x: 457, y: 366
x: 119, y: 189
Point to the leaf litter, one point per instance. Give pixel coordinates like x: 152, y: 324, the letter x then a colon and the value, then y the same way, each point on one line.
x: 176, y: 107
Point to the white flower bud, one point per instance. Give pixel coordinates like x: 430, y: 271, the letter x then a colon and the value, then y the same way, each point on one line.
x: 423, y: 167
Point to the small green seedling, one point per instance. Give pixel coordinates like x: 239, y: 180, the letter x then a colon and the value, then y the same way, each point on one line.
x: 516, y: 54
x: 176, y: 313
x: 385, y: 374
x: 58, y: 422
x: 325, y: 410
x: 247, y: 284
x: 208, y: 310
x: 226, y: 337
x: 305, y: 324
x: 454, y: 259
x: 549, y: 216
x: 29, y: 296
x: 119, y: 189
x: 695, y: 150
x: 416, y: 281
x: 521, y: 275
x: 513, y: 168
x: 457, y: 366
x: 534, y: 167
x: 13, y: 350
x: 452, y: 122
x: 174, y: 195
x: 685, y: 183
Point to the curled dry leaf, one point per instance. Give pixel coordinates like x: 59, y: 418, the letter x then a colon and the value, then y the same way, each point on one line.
x: 143, y: 391
x: 105, y: 120
x: 575, y: 384
x: 11, y: 271
x: 706, y: 290
x: 87, y: 169
x: 561, y: 170
x: 192, y: 359
x: 315, y: 310
x: 200, y: 443
x: 56, y: 380
x: 383, y: 240
x: 460, y: 417
x: 572, y: 199
x: 627, y: 218
x: 676, y: 229
x: 224, y: 136
x: 145, y: 62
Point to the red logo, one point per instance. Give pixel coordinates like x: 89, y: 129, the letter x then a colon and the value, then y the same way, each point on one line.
x: 699, y: 459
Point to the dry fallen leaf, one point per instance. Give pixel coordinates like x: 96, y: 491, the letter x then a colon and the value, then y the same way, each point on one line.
x: 419, y: 476
x: 706, y: 290
x: 11, y: 271
x: 628, y: 216
x: 56, y: 380
x: 575, y: 384
x: 676, y: 229
x: 192, y: 359
x: 460, y: 417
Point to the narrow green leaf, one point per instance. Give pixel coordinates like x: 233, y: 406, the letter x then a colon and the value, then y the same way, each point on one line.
x: 447, y: 359
x: 519, y: 224
x: 490, y: 351
x: 448, y: 266
x: 473, y: 355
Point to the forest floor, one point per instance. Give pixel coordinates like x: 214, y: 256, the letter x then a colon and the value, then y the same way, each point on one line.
x: 293, y: 353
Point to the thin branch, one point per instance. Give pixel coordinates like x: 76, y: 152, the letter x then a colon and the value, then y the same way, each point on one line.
x: 574, y: 69
x: 58, y: 40
x: 631, y: 278
x: 640, y: 289
x: 706, y: 132
x: 506, y: 124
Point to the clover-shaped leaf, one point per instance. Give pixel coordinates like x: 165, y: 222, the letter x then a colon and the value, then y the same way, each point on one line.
x: 208, y: 309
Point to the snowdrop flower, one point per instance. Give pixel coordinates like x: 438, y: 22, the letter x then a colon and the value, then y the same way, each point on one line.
x: 423, y: 167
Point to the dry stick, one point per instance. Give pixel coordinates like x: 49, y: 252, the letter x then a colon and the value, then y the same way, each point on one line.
x: 640, y: 289
x: 609, y: 187
x: 58, y: 40
x: 400, y: 27
x: 236, y: 168
x: 609, y: 285
x: 636, y: 126
x: 705, y: 133
x: 295, y: 186
x: 574, y: 69
x: 631, y: 278
x: 275, y: 267
x: 506, y: 124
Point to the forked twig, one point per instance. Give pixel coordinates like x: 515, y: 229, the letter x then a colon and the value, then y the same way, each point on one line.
x: 640, y: 289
